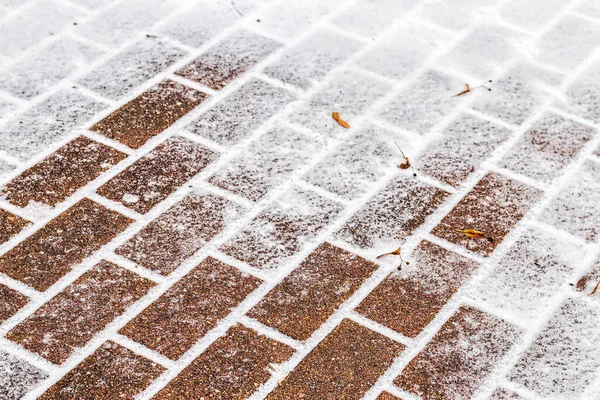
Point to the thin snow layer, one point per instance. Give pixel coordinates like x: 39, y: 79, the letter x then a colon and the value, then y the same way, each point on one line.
x: 17, y: 377
x: 532, y: 272
x: 564, y: 358
x: 581, y: 98
x: 370, y: 17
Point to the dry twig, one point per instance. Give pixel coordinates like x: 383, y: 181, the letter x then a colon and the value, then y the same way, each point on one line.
x: 469, y: 89
x: 475, y: 234
x: 339, y: 120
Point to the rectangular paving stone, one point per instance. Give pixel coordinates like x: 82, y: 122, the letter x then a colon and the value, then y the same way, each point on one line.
x: 343, y: 366
x: 150, y: 113
x: 455, y: 15
x: 71, y: 318
x: 204, y: 20
x: 393, y: 213
x: 576, y: 208
x: 50, y: 253
x: 228, y: 59
x: 493, y: 206
x: 564, y: 358
x: 48, y: 122
x: 58, y: 176
x: 343, y: 95
x: 280, y: 231
x: 518, y: 93
x: 112, y: 371
x: 310, y: 60
x: 459, y: 357
x: 464, y: 144
x: 530, y: 15
x: 424, y: 103
x: 504, y: 394
x: 145, y: 59
x: 233, y: 367
x: 587, y: 283
x: 180, y: 231
x: 282, y: 149
x: 408, y: 300
x: 152, y: 178
x: 531, y: 273
x: 403, y: 51
x: 10, y: 225
x: 581, y: 97
x: 359, y: 163
x: 18, y: 377
x: 312, y: 292
x: 569, y: 42
x: 549, y: 145
x: 10, y: 302
x: 42, y: 69
x: 241, y: 112
x: 190, y: 308
x: 122, y: 21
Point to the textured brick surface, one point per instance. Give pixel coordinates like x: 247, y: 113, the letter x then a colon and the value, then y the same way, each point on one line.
x: 228, y: 59
x: 10, y: 302
x: 179, y: 232
x: 503, y: 394
x: 18, y: 377
x: 111, y: 371
x: 236, y: 116
x: 82, y: 309
x: 10, y: 225
x: 493, y: 206
x: 51, y: 252
x: 279, y: 232
x: 581, y: 98
x: 393, y: 213
x: 387, y: 396
x: 344, y: 365
x: 150, y: 113
x: 155, y: 176
x: 232, y: 367
x: 561, y: 342
x: 408, y: 300
x: 459, y: 357
x: 190, y: 308
x: 58, y: 176
x: 304, y: 300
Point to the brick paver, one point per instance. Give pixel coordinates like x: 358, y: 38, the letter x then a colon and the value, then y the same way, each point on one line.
x: 232, y: 367
x: 50, y: 253
x: 304, y: 300
x: 150, y: 113
x: 181, y: 216
x: 344, y: 365
x: 190, y: 308
x: 112, y: 371
x: 82, y: 309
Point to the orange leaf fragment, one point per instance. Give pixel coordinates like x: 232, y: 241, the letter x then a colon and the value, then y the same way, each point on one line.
x: 467, y: 90
x: 595, y: 288
x: 475, y: 234
x: 339, y: 120
x: 391, y: 253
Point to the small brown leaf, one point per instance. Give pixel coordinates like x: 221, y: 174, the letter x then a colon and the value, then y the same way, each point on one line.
x: 595, y: 288
x: 339, y: 120
x: 475, y: 234
x: 467, y: 90
x: 391, y: 253
x: 405, y: 165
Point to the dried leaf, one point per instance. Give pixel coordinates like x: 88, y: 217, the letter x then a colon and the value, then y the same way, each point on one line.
x: 391, y: 253
x: 339, y: 120
x: 595, y: 288
x: 475, y: 234
x: 467, y: 90
x: 405, y: 165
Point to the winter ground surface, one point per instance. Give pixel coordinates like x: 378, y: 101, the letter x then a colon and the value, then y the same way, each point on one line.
x: 182, y: 218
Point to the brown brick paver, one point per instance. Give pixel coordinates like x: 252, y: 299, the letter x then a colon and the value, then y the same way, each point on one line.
x: 387, y: 396
x: 111, y: 372
x: 458, y: 358
x: 189, y: 309
x: 493, y: 206
x: 155, y: 176
x: 343, y: 366
x: 409, y: 300
x: 10, y: 225
x: 231, y: 368
x: 150, y: 113
x: 54, y: 179
x: 304, y: 300
x: 51, y: 252
x: 10, y: 302
x: 71, y: 318
x: 179, y: 232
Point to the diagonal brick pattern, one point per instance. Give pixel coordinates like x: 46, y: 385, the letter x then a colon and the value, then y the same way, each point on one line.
x: 182, y: 218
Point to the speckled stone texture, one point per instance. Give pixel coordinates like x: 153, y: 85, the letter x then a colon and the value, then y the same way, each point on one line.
x: 10, y: 225
x: 17, y: 377
x: 10, y: 302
